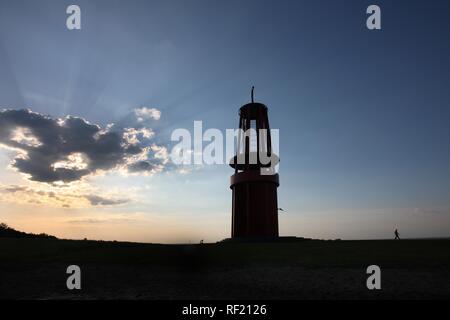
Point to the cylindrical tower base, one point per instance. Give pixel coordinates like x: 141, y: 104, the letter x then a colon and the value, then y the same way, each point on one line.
x: 255, y: 207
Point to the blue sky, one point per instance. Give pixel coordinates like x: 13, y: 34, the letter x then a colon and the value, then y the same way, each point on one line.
x: 363, y: 115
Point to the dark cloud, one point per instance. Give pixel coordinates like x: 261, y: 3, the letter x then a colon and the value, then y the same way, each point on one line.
x: 142, y: 166
x: 68, y: 149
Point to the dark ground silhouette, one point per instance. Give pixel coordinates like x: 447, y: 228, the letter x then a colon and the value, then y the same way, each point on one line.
x: 8, y: 232
x: 309, y: 269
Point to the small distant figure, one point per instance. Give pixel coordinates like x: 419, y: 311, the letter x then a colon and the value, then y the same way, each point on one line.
x: 397, y: 235
x: 201, y: 241
x: 280, y: 209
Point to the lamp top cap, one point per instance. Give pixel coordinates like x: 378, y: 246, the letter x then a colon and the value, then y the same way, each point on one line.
x: 252, y: 109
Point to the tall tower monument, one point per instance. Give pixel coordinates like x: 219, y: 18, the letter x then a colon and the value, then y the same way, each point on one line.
x: 254, y: 182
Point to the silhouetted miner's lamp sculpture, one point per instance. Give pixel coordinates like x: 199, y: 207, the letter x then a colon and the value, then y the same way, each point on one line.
x: 255, y: 182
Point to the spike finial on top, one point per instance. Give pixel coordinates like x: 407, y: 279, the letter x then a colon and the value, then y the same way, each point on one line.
x: 253, y: 88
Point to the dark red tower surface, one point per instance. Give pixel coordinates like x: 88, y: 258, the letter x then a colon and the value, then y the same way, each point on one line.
x: 255, y: 182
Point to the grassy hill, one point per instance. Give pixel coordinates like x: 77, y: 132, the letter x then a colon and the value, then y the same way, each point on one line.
x: 308, y: 253
x: 310, y: 269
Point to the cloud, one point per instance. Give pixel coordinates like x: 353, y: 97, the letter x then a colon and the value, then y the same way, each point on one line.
x: 97, y: 200
x: 101, y: 221
x: 64, y: 150
x: 144, y: 113
x: 13, y: 189
x: 433, y: 211
x: 21, y: 194
x: 134, y: 136
x: 159, y: 153
x: 86, y: 221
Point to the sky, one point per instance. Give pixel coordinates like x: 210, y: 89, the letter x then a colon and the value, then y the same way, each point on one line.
x: 86, y: 115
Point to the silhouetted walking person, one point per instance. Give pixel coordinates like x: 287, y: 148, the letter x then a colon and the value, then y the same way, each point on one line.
x: 397, y: 235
